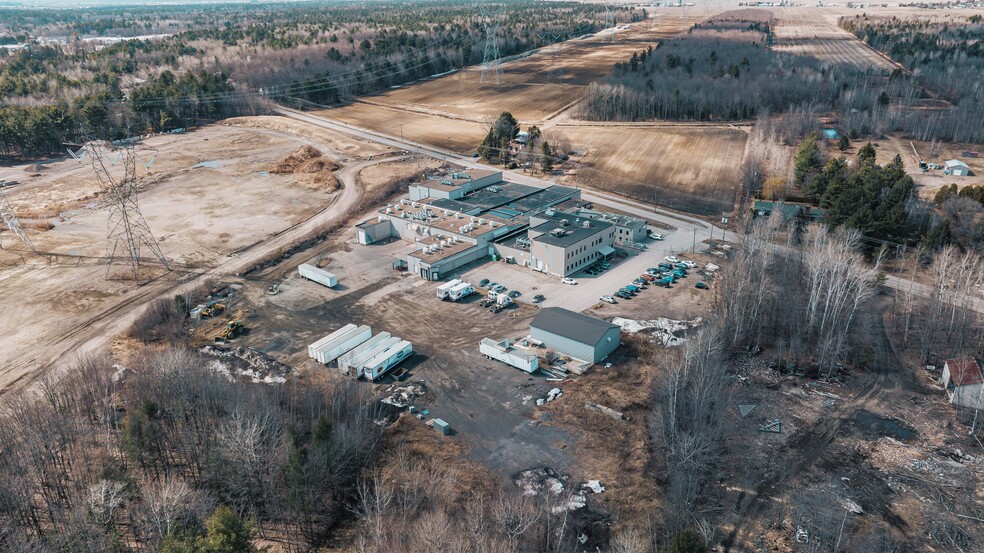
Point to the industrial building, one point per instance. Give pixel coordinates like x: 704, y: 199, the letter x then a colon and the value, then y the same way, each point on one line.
x: 575, y: 335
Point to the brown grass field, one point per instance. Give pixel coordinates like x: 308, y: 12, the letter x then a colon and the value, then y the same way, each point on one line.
x: 667, y: 163
x: 811, y: 32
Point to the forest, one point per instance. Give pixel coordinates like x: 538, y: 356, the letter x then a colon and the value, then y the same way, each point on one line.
x: 724, y: 70
x: 223, y: 60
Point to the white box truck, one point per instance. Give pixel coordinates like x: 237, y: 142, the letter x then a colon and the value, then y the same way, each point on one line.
x: 331, y: 350
x: 442, y: 290
x: 386, y: 360
x: 320, y: 276
x: 345, y: 359
x: 462, y: 290
x: 313, y: 348
x: 514, y: 357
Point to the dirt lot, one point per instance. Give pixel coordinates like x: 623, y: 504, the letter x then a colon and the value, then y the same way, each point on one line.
x: 646, y: 162
x: 220, y: 214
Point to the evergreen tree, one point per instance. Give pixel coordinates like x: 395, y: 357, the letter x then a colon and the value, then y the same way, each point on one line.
x: 866, y: 155
x: 945, y: 193
x: 844, y: 143
x: 547, y: 162
x: 809, y: 162
x: 687, y: 541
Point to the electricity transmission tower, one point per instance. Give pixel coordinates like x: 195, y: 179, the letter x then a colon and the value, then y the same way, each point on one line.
x: 10, y: 219
x: 128, y: 231
x: 610, y: 22
x: 491, y: 69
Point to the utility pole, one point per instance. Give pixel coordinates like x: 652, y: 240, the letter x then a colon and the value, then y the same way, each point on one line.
x: 694, y: 248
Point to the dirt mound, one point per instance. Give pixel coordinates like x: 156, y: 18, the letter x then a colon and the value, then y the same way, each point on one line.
x: 310, y: 167
x: 317, y: 165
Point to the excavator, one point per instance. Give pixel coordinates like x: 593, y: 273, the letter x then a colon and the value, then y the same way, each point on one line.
x: 213, y: 308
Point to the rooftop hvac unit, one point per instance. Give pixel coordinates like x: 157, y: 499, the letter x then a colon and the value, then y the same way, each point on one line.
x: 404, y: 215
x: 405, y: 201
x: 415, y: 205
x: 549, y: 212
x: 481, y: 221
x: 458, y: 215
x: 587, y: 224
x: 389, y: 210
x: 447, y: 213
x: 474, y: 219
x: 564, y: 222
x: 491, y: 224
x: 398, y: 208
x: 444, y: 243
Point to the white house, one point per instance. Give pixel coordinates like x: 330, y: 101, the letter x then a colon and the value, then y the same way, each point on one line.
x: 963, y: 382
x: 956, y: 168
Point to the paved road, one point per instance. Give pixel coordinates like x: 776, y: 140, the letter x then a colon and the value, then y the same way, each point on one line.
x: 685, y: 234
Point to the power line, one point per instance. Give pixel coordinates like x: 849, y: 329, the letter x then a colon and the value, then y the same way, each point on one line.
x: 10, y: 219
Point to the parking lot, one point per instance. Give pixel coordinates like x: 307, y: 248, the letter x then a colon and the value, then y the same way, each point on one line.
x: 577, y: 297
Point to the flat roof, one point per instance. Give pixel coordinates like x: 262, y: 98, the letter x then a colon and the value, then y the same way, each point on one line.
x: 571, y: 325
x: 574, y: 231
x: 496, y: 195
x: 453, y: 179
x: 442, y: 253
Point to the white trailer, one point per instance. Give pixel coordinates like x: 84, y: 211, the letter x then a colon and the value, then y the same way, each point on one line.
x: 442, y: 290
x: 320, y: 276
x: 358, y: 365
x: 514, y: 357
x: 386, y: 360
x: 345, y: 359
x: 331, y: 350
x: 313, y: 348
x: 462, y: 290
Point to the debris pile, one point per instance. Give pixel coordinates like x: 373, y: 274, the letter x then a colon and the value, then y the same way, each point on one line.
x: 539, y: 480
x: 551, y: 395
x: 246, y: 363
x: 405, y: 395
x: 666, y: 331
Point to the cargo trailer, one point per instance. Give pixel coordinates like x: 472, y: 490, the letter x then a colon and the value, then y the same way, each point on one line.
x: 345, y: 359
x: 331, y: 350
x: 504, y: 352
x: 386, y: 360
x: 442, y: 290
x: 313, y: 348
x: 320, y: 276
x: 357, y: 363
x: 460, y: 291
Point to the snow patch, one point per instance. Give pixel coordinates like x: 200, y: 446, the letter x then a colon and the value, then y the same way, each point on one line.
x: 668, y: 332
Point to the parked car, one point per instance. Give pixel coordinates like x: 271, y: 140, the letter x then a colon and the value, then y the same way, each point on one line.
x: 632, y: 288
x: 499, y: 288
x: 688, y: 264
x: 672, y: 259
x: 701, y: 285
x: 623, y: 295
x: 483, y: 283
x: 657, y: 237
x: 490, y: 285
x: 538, y: 298
x: 662, y: 284
x: 514, y: 294
x: 605, y: 265
x: 608, y: 299
x: 568, y: 280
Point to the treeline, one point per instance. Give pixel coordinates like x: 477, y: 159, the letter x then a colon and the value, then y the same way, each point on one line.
x: 318, y: 54
x: 165, y: 103
x: 169, y: 455
x: 946, y: 57
x: 714, y: 75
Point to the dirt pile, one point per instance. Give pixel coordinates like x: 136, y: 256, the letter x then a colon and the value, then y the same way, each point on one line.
x: 309, y: 166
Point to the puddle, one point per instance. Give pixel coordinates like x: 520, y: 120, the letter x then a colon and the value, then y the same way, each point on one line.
x: 210, y: 164
x: 263, y: 173
x: 871, y: 423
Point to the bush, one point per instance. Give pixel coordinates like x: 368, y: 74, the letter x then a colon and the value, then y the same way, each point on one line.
x: 162, y: 321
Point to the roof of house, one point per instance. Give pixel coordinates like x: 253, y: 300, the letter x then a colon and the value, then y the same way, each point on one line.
x: 964, y: 371
x: 574, y: 326
x: 955, y: 163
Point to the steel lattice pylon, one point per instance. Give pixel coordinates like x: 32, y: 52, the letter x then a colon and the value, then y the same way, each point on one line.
x: 491, y: 69
x: 10, y: 219
x: 128, y: 231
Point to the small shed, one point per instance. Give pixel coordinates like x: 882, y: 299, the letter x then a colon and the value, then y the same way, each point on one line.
x: 443, y: 427
x: 956, y: 168
x: 963, y: 382
x: 576, y: 335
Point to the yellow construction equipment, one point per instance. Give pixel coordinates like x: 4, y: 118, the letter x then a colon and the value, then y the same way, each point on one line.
x: 210, y: 310
x: 232, y: 329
